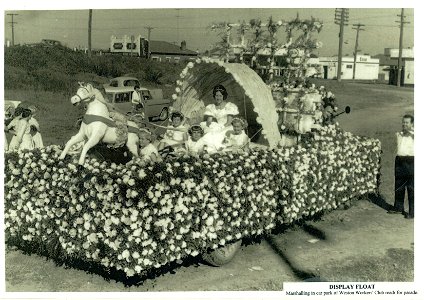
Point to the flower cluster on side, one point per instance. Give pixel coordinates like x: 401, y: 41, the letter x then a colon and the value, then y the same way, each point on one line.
x: 136, y: 217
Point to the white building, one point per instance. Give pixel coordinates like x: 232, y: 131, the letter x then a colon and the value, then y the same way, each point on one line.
x: 407, y: 64
x: 366, y: 67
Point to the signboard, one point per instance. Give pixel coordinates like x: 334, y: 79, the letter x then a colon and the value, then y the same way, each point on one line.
x: 118, y: 46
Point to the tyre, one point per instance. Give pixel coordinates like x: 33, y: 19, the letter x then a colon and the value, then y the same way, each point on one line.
x: 164, y: 114
x: 222, y: 255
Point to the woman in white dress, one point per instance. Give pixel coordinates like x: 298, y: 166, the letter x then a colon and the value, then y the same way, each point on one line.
x: 223, y: 113
x: 22, y: 138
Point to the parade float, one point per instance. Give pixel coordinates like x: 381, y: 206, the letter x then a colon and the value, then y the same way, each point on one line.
x: 138, y: 217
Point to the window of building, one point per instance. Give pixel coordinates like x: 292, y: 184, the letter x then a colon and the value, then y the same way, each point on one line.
x: 177, y: 59
x: 349, y: 66
x: 168, y: 59
x: 155, y: 58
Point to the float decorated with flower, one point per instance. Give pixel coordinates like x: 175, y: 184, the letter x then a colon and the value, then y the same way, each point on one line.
x: 138, y: 217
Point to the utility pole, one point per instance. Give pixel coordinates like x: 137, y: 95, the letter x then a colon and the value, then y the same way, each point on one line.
x: 341, y: 18
x: 358, y: 28
x: 90, y: 19
x: 149, y: 29
x: 399, y: 70
x: 13, y: 28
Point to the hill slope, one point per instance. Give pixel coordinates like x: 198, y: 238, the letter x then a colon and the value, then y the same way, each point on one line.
x: 58, y: 69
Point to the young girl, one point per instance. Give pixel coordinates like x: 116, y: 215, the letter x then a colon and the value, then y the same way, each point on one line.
x: 176, y: 134
x: 195, y: 144
x: 148, y: 151
x: 35, y: 129
x: 237, y: 139
x: 210, y: 124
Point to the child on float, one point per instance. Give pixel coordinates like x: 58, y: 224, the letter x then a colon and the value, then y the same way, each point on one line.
x: 236, y: 139
x: 195, y: 144
x: 148, y: 151
x: 214, y: 133
x: 176, y: 133
x: 210, y: 124
x: 35, y: 128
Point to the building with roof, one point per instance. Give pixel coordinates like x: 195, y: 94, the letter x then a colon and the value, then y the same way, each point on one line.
x: 154, y: 50
x: 164, y: 51
x: 367, y: 68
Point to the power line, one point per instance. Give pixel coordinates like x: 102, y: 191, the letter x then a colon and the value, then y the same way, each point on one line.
x: 358, y: 28
x: 402, y: 21
x: 149, y: 29
x: 341, y: 17
x: 13, y: 28
x: 90, y: 20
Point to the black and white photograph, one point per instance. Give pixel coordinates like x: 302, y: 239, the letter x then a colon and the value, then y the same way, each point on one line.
x: 207, y: 149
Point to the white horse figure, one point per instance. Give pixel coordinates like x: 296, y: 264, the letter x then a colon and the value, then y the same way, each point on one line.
x: 97, y: 126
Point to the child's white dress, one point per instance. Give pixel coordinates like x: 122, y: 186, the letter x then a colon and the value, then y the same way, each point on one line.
x: 38, y: 140
x: 236, y: 141
x: 195, y: 147
x: 173, y: 137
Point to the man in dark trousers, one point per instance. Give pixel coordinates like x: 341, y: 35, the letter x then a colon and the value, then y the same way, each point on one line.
x: 404, y: 168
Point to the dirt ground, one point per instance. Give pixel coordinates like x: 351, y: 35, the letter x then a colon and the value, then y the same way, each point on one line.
x: 363, y: 243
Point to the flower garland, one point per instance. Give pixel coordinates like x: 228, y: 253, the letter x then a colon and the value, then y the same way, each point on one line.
x: 139, y: 217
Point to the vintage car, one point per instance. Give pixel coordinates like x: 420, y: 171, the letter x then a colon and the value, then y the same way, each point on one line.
x: 155, y: 107
x: 123, y: 81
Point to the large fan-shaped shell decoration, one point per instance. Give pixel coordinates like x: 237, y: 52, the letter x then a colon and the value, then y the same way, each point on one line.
x: 245, y: 89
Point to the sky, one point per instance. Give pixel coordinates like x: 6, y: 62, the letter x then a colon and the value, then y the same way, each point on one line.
x: 70, y: 26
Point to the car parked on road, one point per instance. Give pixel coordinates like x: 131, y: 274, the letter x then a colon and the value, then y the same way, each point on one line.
x: 123, y: 81
x: 155, y: 107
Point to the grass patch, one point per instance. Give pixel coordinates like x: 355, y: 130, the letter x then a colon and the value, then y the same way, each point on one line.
x: 396, y: 266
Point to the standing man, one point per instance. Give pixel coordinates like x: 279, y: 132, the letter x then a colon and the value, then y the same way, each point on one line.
x: 136, y: 98
x: 138, y: 104
x: 404, y: 168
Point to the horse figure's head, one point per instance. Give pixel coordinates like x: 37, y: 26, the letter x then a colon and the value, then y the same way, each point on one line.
x: 85, y: 93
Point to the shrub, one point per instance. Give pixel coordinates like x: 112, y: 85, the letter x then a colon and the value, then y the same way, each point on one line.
x: 55, y: 68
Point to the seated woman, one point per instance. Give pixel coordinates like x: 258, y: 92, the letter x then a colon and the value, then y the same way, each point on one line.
x: 223, y: 113
x: 221, y: 110
x: 176, y: 133
x: 237, y: 139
